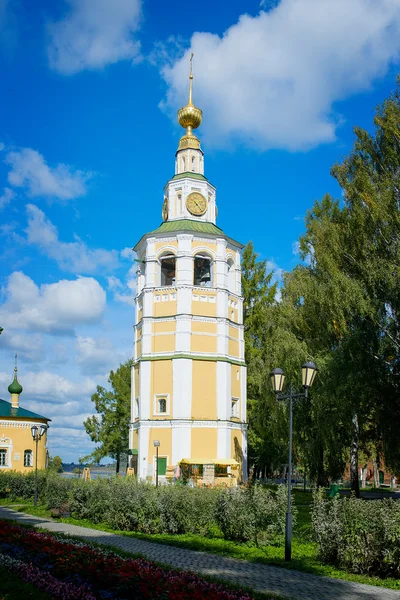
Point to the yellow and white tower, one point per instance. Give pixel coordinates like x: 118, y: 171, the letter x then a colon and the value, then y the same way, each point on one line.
x: 189, y: 374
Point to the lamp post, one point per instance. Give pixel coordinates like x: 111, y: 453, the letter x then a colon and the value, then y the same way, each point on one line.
x: 309, y: 371
x: 156, y: 444
x: 37, y: 434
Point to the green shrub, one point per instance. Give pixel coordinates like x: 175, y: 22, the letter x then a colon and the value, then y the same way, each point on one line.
x: 56, y: 492
x: 362, y: 536
x: 252, y: 514
x: 15, y: 485
x: 186, y: 510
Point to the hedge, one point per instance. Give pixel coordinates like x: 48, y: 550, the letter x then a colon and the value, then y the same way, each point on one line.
x: 251, y: 514
x: 362, y: 536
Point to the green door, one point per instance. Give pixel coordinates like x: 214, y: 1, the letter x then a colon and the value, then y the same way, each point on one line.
x: 162, y: 465
x: 381, y: 477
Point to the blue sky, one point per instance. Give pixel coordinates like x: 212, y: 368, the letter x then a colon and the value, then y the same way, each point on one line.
x: 88, y: 134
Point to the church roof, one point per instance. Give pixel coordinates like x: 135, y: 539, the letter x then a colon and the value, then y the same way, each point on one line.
x: 6, y: 410
x: 190, y: 226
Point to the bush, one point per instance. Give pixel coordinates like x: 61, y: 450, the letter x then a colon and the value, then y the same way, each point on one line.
x: 15, y: 485
x: 252, y: 514
x: 187, y: 510
x: 362, y: 536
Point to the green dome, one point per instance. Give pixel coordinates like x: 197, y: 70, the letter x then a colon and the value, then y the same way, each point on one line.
x: 15, y: 387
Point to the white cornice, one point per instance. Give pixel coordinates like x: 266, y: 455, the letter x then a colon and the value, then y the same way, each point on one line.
x: 178, y: 423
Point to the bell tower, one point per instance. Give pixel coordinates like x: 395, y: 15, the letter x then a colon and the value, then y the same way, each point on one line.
x: 189, y: 374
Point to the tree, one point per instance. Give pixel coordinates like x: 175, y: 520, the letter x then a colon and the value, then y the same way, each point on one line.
x: 345, y: 300
x: 55, y: 464
x: 110, y: 427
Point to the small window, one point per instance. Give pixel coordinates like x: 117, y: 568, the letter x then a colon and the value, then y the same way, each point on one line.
x: 28, y: 458
x: 137, y: 407
x: 162, y: 405
x: 168, y: 266
x: 202, y: 273
x: 235, y: 407
x: 193, y: 163
x: 3, y: 457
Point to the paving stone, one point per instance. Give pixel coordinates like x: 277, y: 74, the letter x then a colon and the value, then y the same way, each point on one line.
x: 263, y: 578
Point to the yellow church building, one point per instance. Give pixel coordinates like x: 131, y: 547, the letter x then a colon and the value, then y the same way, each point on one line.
x: 17, y: 446
x: 189, y: 373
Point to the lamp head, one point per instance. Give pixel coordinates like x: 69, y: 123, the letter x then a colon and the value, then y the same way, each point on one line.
x: 156, y: 443
x: 43, y: 429
x: 308, y: 373
x: 277, y: 380
x: 34, y: 431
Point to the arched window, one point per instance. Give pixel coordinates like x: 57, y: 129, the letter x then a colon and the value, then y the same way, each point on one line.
x: 28, y: 458
x: 203, y: 272
x: 168, y: 269
x: 193, y: 163
x: 183, y: 164
x: 231, y: 276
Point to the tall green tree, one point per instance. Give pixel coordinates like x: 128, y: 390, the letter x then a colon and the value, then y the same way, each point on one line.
x: 346, y: 301
x: 110, y: 427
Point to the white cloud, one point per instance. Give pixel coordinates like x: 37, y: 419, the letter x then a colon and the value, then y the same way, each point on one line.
x: 272, y: 81
x: 29, y: 170
x: 52, y: 308
x: 96, y: 356
x: 29, y: 347
x: 114, y: 283
x: 6, y: 196
x: 75, y: 257
x: 93, y: 34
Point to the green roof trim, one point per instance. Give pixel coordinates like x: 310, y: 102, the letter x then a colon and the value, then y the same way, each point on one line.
x: 189, y: 174
x: 208, y: 358
x: 6, y: 410
x: 190, y: 226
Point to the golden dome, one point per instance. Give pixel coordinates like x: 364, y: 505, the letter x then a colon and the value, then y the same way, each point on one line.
x: 190, y: 116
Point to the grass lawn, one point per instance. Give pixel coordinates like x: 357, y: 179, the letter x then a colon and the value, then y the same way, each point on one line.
x: 14, y: 588
x: 304, y: 550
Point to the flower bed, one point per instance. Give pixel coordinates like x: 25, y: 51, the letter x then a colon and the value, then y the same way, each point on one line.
x: 77, y: 571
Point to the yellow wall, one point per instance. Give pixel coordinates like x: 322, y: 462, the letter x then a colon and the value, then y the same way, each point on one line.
x: 233, y: 348
x: 163, y: 343
x: 204, y: 442
x: 235, y: 381
x: 204, y: 377
x: 236, y: 445
x: 21, y: 440
x: 205, y: 309
x: 203, y: 343
x: 161, y: 383
x: 164, y: 309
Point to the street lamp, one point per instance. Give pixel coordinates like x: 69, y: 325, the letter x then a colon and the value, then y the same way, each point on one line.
x: 37, y: 434
x: 156, y: 444
x: 308, y: 372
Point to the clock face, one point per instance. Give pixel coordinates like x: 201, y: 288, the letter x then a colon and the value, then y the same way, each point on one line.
x: 165, y: 210
x: 196, y: 203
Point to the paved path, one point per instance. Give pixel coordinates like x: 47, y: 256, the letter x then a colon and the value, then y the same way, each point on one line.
x: 260, y: 577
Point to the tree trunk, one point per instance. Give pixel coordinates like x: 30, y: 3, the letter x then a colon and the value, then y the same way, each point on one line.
x: 355, y: 485
x: 376, y: 473
x: 117, y: 467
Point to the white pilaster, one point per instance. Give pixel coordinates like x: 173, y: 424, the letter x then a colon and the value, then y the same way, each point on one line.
x: 181, y: 443
x: 144, y: 385
x: 243, y: 393
x: 223, y: 390
x: 224, y: 442
x: 146, y: 336
x: 182, y: 386
x: 183, y: 333
x: 143, y: 458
